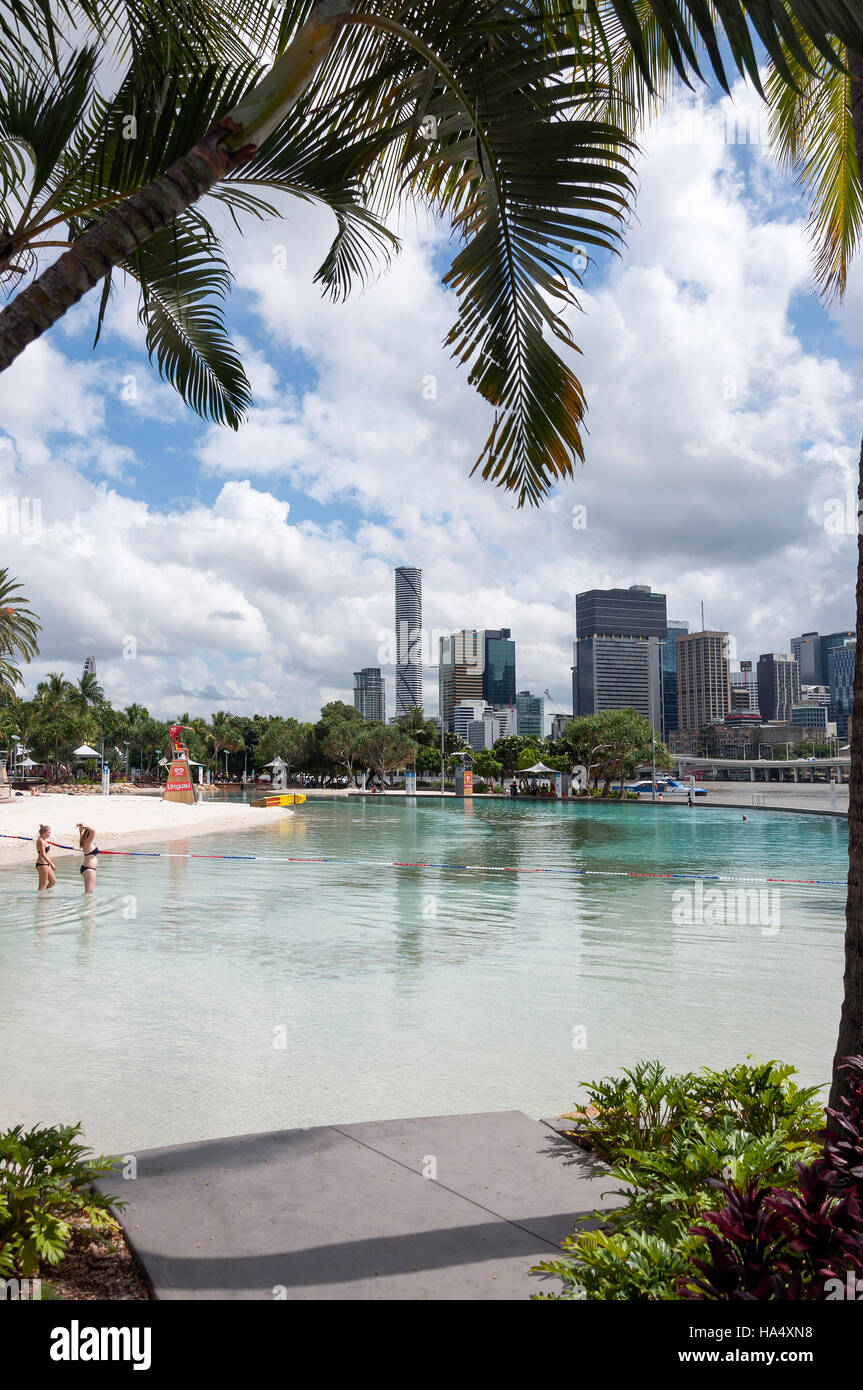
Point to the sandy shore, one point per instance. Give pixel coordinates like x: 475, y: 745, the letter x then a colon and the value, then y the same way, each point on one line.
x: 119, y: 820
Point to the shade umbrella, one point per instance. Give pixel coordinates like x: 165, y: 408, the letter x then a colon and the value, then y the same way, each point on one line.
x: 539, y: 769
x: 85, y: 751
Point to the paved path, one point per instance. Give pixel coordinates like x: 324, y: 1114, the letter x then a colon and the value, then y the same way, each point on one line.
x: 778, y: 796
x: 344, y: 1211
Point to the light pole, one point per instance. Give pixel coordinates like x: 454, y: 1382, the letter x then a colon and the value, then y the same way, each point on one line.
x: 16, y: 741
x: 126, y: 746
x: 158, y: 756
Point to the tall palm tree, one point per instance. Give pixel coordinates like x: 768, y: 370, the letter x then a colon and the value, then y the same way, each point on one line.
x: 57, y: 715
x: 483, y: 110
x: 19, y: 630
x: 223, y: 734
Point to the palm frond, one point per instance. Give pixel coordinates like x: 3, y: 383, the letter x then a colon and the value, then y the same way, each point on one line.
x: 811, y: 132
x: 184, y: 280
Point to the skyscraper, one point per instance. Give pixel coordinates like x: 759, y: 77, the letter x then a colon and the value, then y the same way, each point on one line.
x: 806, y: 651
x: 669, y: 675
x: 460, y: 671
x: 703, y: 679
x: 498, y: 677
x: 632, y: 612
x: 841, y: 662
x: 531, y: 709
x: 778, y: 686
x: 370, y: 696
x: 617, y: 651
x: 89, y: 666
x: 409, y: 621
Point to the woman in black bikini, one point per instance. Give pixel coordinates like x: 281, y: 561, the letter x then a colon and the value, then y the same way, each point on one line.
x: 86, y: 836
x: 44, y: 866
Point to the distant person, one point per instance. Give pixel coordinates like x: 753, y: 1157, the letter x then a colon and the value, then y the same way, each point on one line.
x: 86, y: 836
x: 689, y: 798
x: 44, y: 863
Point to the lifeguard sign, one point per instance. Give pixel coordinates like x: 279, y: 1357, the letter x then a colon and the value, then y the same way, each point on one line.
x: 464, y: 775
x: 179, y: 786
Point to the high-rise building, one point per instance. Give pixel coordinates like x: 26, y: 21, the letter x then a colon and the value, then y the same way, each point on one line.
x: 778, y: 686
x: 89, y: 666
x: 617, y: 651
x: 460, y: 671
x: 498, y: 678
x: 841, y: 663
x: 620, y: 673
x: 632, y: 612
x: 370, y: 694
x: 703, y: 679
x: 806, y: 650
x: 409, y: 621
x: 744, y: 687
x: 669, y: 675
x: 833, y: 639
x: 530, y: 711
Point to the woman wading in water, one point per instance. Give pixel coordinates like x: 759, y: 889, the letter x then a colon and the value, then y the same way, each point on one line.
x: 44, y: 866
x: 86, y: 836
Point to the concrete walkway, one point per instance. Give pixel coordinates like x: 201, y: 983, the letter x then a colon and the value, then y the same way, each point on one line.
x: 345, y: 1211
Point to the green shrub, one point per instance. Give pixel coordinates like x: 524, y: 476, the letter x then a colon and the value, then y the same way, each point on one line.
x: 668, y: 1140
x: 45, y: 1178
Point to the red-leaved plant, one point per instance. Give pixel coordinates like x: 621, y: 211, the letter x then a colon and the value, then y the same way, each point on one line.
x: 768, y: 1243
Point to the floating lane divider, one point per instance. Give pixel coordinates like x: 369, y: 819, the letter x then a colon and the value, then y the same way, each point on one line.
x: 469, y: 868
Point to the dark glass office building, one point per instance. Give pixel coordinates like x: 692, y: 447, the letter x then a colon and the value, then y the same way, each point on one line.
x: 633, y: 612
x: 498, y: 677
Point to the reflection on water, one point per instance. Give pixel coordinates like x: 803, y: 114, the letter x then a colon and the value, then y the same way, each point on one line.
x: 155, y: 1010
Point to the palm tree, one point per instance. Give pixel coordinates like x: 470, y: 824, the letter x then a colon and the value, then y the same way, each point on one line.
x: 19, y: 629
x: 57, y: 715
x: 223, y: 734
x: 482, y: 110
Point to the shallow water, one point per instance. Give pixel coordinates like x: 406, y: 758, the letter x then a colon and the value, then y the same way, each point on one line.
x: 195, y: 998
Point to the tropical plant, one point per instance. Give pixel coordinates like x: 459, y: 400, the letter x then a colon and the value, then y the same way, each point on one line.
x: 668, y: 1140
x: 46, y: 1178
x: 223, y: 734
x: 385, y: 750
x: 486, y: 111
x: 282, y: 738
x: 19, y: 632
x: 344, y: 744
x: 769, y: 1242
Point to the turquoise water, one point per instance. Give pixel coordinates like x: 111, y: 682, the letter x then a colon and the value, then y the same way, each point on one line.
x: 151, y: 1012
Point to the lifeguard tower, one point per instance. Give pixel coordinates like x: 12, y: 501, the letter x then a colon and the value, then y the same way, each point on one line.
x: 464, y: 774
x: 179, y: 786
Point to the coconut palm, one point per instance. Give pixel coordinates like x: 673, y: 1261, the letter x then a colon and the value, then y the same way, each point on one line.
x: 223, y: 734
x: 484, y: 111
x: 19, y: 629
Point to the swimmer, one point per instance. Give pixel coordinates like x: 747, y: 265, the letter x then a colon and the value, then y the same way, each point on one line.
x: 44, y: 864
x: 746, y: 818
x: 86, y: 836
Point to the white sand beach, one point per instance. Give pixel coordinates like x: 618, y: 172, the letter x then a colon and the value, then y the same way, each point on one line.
x: 119, y: 819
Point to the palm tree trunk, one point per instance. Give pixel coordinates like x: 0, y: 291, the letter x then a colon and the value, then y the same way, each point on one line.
x: 117, y: 235
x: 850, y: 1041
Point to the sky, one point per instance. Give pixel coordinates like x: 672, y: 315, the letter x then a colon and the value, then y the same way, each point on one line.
x: 208, y: 569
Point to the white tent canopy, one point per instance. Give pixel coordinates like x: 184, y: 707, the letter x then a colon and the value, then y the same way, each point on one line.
x: 277, y: 762
x: 539, y: 769
x: 85, y: 751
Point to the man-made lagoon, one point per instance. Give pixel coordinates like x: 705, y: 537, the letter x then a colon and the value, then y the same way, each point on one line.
x: 196, y: 998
